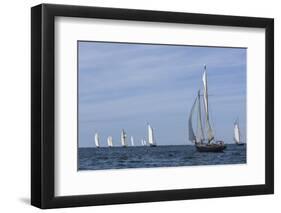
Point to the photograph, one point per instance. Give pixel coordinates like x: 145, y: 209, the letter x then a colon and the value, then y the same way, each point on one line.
x: 143, y: 105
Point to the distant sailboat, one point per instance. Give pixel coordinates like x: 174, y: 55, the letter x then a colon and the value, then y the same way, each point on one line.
x: 109, y: 141
x: 97, y: 140
x: 144, y: 142
x: 132, y: 141
x: 237, y: 135
x: 123, y: 138
x: 198, y: 137
x: 151, y: 139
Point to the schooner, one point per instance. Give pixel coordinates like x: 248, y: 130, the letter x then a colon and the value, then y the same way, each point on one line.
x: 97, y: 140
x: 203, y: 138
x: 237, y: 135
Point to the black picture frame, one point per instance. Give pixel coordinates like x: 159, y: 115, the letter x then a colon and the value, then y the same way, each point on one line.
x: 43, y: 102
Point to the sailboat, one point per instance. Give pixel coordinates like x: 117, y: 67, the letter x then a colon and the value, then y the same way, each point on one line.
x: 132, y: 141
x: 109, y: 141
x: 143, y: 142
x: 237, y: 135
x: 204, y: 139
x: 97, y: 140
x: 123, y: 138
x: 151, y: 139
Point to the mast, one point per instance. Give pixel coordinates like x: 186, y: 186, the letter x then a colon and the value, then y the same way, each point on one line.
x: 210, y: 134
x: 123, y: 138
x: 97, y: 140
x: 109, y: 141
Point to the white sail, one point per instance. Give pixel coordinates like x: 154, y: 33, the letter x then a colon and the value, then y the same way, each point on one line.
x: 109, y: 141
x: 191, y: 134
x: 123, y: 138
x: 132, y: 141
x: 210, y: 134
x: 144, y: 142
x: 151, y: 140
x: 97, y: 140
x: 200, y: 131
x: 236, y: 133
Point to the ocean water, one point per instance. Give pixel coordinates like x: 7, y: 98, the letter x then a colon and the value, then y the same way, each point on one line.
x: 160, y: 156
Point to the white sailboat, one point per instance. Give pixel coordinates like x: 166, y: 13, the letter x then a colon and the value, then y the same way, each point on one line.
x: 109, y: 141
x: 132, y: 141
x: 144, y: 142
x: 151, y: 139
x: 203, y: 134
x: 237, y: 135
x: 97, y: 140
x: 123, y: 138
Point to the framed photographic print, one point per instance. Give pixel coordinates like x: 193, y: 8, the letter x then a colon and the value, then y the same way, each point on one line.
x: 139, y: 106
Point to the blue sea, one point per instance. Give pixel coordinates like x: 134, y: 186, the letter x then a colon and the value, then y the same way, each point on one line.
x: 160, y: 156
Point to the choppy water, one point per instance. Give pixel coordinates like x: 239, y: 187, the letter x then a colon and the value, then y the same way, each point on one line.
x: 160, y: 156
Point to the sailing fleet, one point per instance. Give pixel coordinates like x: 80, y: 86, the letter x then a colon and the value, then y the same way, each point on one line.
x: 200, y: 129
x: 124, y: 142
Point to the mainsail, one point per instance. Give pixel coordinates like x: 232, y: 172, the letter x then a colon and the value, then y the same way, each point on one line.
x: 236, y: 133
x: 191, y: 134
x: 123, y: 138
x: 200, y: 131
x: 132, y: 141
x: 109, y: 141
x: 196, y: 109
x: 151, y: 140
x: 210, y: 134
x: 97, y: 140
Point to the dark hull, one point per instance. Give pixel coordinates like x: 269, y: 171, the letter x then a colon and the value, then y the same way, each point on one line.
x: 152, y: 145
x: 240, y: 144
x: 210, y: 147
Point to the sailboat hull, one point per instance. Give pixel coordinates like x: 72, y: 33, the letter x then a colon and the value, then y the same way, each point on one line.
x: 240, y: 144
x: 210, y: 147
x: 152, y: 145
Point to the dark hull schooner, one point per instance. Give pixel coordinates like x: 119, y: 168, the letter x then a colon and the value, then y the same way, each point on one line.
x: 210, y: 147
x: 206, y: 133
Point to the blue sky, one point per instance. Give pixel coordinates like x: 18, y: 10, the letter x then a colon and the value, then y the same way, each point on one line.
x: 127, y: 85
